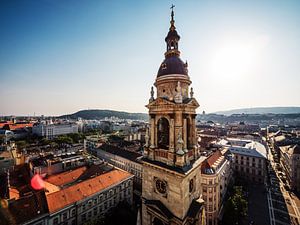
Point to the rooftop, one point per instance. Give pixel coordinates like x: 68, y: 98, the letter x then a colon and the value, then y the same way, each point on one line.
x: 244, y: 147
x: 133, y: 156
x: 60, y: 199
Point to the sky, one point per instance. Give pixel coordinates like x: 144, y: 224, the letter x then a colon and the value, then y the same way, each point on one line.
x: 61, y: 56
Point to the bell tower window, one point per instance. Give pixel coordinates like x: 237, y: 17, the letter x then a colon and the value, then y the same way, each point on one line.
x: 163, y: 130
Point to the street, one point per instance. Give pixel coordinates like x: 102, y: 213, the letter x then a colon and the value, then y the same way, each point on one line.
x: 283, y: 204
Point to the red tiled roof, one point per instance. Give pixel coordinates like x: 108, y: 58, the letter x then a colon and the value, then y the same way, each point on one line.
x: 16, y: 126
x: 2, y: 124
x: 77, y: 192
x: 208, y: 163
x: 214, y: 157
x: 66, y: 177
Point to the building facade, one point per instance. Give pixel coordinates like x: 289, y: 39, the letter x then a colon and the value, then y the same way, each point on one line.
x: 91, y: 199
x: 49, y: 131
x: 123, y: 159
x: 249, y: 159
x: 216, y: 175
x: 172, y: 163
x: 290, y: 162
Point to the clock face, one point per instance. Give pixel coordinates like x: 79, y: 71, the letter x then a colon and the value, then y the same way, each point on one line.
x: 161, y: 186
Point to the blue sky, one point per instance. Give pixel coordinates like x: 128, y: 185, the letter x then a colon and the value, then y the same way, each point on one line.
x: 61, y: 56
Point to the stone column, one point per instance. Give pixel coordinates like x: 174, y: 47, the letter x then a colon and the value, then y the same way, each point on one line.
x: 193, y: 130
x: 171, y: 137
x: 152, y: 135
x: 185, y: 135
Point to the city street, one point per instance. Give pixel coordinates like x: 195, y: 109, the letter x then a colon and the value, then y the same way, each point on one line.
x: 283, y: 205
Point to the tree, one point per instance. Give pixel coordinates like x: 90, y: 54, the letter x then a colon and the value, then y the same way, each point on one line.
x: 21, y: 144
x: 236, y: 207
x: 63, y: 139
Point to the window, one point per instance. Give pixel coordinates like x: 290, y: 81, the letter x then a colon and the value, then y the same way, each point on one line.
x: 55, y: 221
x: 259, y: 173
x: 65, y: 216
x: 72, y: 212
x: 83, y: 217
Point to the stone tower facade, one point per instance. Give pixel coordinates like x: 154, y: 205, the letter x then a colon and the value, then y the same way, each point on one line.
x: 171, y: 164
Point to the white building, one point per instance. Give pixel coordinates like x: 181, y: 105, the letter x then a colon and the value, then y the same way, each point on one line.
x: 51, y: 130
x: 249, y: 158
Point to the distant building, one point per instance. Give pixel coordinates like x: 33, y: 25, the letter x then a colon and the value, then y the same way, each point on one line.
x: 6, y: 161
x: 123, y: 159
x: 290, y: 162
x: 51, y: 163
x: 249, y: 160
x: 216, y: 173
x: 49, y: 131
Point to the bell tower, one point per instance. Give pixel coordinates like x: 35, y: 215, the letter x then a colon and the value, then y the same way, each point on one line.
x: 171, y: 164
x: 173, y: 111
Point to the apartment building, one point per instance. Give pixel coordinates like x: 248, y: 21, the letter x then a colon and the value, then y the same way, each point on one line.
x: 216, y: 173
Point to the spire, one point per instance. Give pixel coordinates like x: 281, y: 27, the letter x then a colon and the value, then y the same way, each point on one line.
x: 172, y: 18
x: 172, y: 37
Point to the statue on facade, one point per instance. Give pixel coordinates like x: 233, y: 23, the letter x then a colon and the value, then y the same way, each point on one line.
x: 152, y: 95
x: 178, y: 96
x: 192, y: 93
x: 179, y: 144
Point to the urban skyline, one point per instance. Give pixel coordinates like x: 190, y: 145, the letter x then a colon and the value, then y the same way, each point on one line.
x: 58, y: 58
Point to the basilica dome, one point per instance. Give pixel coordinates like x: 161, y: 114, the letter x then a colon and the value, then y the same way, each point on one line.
x: 172, y: 65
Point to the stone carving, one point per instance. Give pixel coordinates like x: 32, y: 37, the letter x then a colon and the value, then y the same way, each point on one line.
x: 152, y: 95
x: 179, y: 144
x: 192, y: 93
x: 178, y: 96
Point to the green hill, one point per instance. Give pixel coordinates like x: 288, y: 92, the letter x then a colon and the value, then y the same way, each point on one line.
x: 101, y: 114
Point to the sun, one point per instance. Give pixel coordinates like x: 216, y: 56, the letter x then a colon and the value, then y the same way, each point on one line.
x: 236, y: 58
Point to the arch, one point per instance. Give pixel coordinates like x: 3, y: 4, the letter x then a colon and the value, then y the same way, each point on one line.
x: 163, y: 133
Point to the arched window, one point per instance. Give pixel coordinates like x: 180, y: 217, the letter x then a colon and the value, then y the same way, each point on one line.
x: 163, y: 133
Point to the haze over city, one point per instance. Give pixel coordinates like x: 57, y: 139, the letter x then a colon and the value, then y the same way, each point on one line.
x: 58, y: 57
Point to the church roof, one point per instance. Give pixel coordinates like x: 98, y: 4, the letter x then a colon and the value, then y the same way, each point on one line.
x: 172, y: 65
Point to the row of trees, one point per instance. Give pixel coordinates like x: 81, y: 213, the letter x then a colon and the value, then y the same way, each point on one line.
x: 236, y: 207
x: 55, y: 142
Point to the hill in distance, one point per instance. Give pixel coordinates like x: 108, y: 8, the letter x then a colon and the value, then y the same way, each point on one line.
x: 262, y: 110
x: 98, y: 114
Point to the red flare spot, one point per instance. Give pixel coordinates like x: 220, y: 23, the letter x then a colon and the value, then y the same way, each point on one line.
x: 37, y: 182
